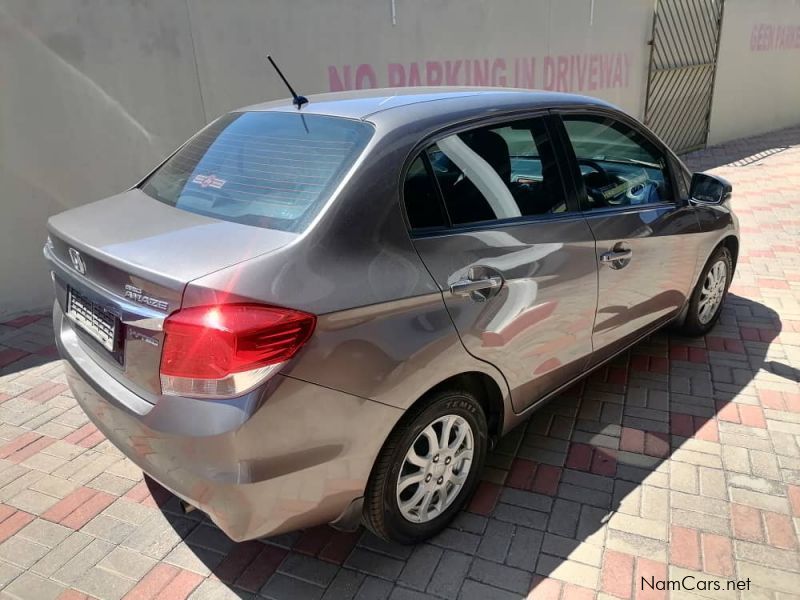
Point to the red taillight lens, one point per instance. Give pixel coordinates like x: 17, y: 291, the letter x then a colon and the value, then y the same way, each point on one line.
x: 214, y: 342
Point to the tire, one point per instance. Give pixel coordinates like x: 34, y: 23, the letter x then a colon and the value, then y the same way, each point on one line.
x: 383, y: 513
x: 698, y: 320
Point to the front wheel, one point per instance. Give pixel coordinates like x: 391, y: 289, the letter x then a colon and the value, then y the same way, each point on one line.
x: 705, y: 304
x: 428, y: 467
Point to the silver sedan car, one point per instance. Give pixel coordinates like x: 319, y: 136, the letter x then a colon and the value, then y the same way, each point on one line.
x: 330, y: 314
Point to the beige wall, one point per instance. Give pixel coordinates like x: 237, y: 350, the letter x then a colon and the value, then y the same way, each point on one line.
x: 95, y: 92
x: 357, y: 37
x: 758, y: 74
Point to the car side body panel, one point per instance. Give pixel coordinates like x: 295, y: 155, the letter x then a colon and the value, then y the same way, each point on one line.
x: 654, y: 283
x: 374, y: 295
x: 537, y: 328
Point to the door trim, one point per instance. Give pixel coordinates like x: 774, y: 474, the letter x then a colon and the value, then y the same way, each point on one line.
x: 488, y: 225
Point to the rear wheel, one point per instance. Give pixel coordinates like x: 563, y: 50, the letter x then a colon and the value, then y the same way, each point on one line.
x: 708, y: 296
x: 428, y: 467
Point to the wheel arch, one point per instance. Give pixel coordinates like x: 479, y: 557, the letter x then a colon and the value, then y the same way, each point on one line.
x: 731, y: 242
x: 486, y: 390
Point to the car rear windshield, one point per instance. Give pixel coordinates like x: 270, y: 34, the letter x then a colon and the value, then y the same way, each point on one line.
x: 268, y: 169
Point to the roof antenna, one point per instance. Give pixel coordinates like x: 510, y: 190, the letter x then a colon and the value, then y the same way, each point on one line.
x: 298, y: 101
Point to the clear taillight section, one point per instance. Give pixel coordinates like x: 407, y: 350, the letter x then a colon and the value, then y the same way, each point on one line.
x: 226, y: 350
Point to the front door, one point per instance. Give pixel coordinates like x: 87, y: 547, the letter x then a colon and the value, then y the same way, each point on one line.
x: 514, y: 259
x: 646, y: 235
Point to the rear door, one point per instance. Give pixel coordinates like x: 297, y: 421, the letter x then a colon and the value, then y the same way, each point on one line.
x: 646, y: 234
x: 508, y: 247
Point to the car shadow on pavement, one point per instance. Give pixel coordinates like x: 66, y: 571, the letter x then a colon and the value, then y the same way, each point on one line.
x: 608, y: 464
x: 639, y: 455
x: 26, y: 342
x: 743, y: 152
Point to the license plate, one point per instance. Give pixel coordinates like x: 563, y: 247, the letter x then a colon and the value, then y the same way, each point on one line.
x: 93, y: 319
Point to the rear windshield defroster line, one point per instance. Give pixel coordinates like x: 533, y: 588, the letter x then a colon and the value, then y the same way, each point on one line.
x: 268, y: 169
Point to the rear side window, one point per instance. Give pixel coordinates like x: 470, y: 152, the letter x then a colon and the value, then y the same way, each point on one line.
x: 267, y: 169
x: 486, y: 175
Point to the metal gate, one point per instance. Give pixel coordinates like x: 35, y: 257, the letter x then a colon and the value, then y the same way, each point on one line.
x: 683, y: 62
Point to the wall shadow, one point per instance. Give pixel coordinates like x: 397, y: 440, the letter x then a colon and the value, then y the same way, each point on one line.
x: 743, y: 152
x: 26, y: 342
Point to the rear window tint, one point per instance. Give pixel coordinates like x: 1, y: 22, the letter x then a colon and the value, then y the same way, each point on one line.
x: 267, y: 169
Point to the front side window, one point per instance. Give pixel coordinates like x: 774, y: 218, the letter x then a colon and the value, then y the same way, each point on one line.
x: 268, y: 169
x: 619, y: 166
x: 492, y: 174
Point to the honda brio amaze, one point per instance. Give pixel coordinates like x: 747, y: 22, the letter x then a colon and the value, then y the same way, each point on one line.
x: 330, y: 314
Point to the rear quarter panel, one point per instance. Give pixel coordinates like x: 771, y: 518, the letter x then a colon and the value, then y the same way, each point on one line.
x: 392, y: 352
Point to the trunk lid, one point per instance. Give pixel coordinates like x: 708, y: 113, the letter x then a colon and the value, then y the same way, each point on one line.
x: 131, y: 256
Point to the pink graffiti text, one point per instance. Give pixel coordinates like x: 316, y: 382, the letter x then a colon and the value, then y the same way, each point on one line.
x: 765, y: 37
x: 563, y: 72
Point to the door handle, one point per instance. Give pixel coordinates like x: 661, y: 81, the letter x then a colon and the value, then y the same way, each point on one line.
x: 474, y: 287
x: 610, y: 257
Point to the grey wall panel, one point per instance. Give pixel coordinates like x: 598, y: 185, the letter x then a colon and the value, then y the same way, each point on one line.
x: 93, y: 93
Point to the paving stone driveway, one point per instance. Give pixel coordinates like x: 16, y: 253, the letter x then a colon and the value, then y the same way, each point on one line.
x: 680, y: 458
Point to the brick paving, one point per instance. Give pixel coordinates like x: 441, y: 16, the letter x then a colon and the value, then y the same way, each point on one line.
x: 680, y: 458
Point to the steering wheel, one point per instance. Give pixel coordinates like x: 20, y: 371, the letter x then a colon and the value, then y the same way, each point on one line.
x: 596, y: 197
x: 594, y: 165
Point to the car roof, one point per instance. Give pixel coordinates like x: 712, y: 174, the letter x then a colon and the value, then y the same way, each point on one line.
x: 375, y: 105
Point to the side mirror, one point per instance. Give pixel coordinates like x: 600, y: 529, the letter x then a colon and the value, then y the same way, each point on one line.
x: 709, y: 189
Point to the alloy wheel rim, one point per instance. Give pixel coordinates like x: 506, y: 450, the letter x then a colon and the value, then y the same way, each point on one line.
x: 712, y: 292
x: 435, y: 469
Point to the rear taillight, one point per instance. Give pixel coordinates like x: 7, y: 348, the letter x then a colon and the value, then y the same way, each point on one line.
x: 226, y: 350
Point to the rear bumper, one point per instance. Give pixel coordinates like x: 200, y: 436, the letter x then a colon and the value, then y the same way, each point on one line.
x: 293, y: 455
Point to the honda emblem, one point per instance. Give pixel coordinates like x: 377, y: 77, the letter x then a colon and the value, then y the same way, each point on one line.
x: 77, y: 261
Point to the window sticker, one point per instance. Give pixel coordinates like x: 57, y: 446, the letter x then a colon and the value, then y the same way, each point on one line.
x: 206, y: 181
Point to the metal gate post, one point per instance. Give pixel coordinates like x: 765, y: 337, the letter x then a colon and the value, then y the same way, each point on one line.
x: 714, y: 77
